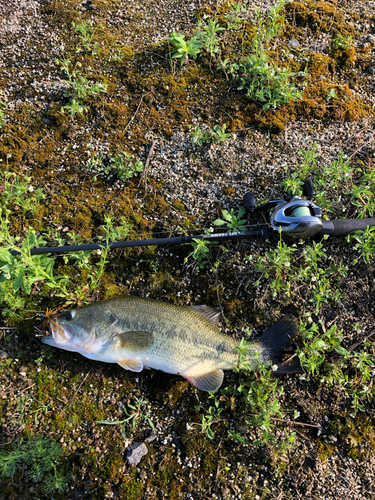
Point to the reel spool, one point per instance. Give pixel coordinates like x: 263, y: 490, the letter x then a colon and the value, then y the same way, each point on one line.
x: 297, y: 218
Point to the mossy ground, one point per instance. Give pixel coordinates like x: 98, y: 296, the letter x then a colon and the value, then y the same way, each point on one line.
x: 151, y: 96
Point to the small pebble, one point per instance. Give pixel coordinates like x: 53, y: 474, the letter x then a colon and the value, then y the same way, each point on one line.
x: 136, y: 452
x: 3, y: 354
x: 294, y: 44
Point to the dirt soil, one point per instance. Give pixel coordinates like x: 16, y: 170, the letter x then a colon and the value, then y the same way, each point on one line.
x: 148, y: 110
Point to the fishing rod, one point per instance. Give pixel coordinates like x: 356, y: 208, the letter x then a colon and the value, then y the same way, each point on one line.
x: 297, y: 218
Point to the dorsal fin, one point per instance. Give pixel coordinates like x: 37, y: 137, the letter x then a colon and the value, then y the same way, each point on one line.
x: 210, y: 313
x: 136, y: 341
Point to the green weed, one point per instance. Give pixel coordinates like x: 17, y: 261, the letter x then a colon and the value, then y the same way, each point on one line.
x: 263, y: 80
x: 200, y: 253
x: 351, y: 371
x: 213, y: 135
x: 253, y: 404
x: 42, y: 459
x: 233, y: 222
x: 342, y: 42
x: 3, y: 105
x: 18, y: 193
x: 134, y: 414
x: 208, y: 35
x: 124, y: 166
x: 184, y: 49
x: 24, y: 269
x: 211, y: 417
x: 235, y: 16
x: 358, y: 183
x: 364, y: 242
x: 288, y: 268
x: 86, y: 33
x: 79, y: 88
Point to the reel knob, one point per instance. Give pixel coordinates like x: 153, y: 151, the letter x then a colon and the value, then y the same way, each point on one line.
x: 249, y: 201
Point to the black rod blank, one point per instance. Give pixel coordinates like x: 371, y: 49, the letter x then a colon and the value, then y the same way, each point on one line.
x: 144, y: 243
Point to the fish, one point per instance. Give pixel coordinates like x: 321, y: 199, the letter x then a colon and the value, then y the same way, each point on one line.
x: 139, y: 333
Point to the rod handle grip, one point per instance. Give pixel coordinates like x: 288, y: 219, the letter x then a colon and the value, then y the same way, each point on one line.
x: 343, y: 227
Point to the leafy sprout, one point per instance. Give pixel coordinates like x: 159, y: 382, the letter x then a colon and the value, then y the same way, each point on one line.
x: 134, y: 414
x: 233, y: 222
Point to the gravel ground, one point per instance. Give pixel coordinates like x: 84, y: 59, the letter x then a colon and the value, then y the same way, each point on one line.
x: 188, y: 185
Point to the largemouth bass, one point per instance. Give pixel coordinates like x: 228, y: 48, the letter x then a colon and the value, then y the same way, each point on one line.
x: 142, y: 333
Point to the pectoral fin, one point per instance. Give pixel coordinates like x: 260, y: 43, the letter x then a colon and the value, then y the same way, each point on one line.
x: 134, y: 341
x: 208, y: 382
x: 134, y: 365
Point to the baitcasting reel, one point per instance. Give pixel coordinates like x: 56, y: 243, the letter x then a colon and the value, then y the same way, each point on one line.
x: 297, y: 218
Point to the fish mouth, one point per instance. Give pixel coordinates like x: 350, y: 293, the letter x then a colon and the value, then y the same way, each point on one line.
x: 59, y: 334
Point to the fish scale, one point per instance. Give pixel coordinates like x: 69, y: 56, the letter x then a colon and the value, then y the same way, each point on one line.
x: 142, y: 333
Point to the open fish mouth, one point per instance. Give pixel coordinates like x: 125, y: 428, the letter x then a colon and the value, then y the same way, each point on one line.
x: 59, y: 334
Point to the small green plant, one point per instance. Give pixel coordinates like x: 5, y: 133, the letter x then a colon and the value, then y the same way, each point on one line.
x: 86, y: 35
x: 184, y: 49
x: 329, y: 180
x: 18, y: 193
x: 362, y: 195
x: 364, y: 242
x: 276, y: 263
x: 342, y: 42
x: 266, y: 83
x: 268, y: 27
x: 199, y: 136
x: 219, y: 135
x: 211, y: 417
x: 233, y: 222
x: 123, y: 165
x: 200, y: 252
x: 79, y: 88
x: 24, y: 269
x: 331, y: 95
x: 42, y: 458
x: 208, y: 35
x: 3, y: 105
x: 315, y: 354
x: 26, y: 408
x: 134, y: 415
x: 288, y: 268
x: 213, y: 135
x: 83, y: 294
x: 235, y: 16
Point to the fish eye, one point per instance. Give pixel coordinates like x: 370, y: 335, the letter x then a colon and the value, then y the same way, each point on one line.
x: 69, y: 316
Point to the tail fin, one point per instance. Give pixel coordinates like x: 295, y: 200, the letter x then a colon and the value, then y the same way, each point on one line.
x: 276, y: 338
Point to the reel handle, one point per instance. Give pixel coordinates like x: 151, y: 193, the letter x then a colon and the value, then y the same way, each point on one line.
x: 249, y: 201
x: 343, y: 227
x: 308, y: 189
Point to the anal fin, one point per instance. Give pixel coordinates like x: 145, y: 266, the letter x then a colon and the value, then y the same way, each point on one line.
x: 208, y: 382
